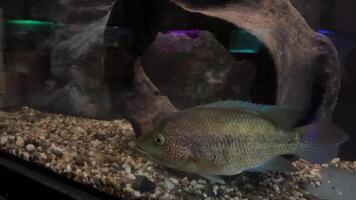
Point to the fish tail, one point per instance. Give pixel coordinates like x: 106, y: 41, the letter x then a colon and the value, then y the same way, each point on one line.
x: 320, y: 141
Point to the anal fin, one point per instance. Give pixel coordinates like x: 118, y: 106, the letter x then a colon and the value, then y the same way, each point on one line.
x: 213, y: 178
x: 278, y: 164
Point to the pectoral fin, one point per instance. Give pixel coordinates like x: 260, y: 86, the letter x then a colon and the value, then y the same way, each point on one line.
x: 203, y: 165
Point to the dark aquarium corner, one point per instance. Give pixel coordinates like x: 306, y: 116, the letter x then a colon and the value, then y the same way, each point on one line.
x: 178, y: 99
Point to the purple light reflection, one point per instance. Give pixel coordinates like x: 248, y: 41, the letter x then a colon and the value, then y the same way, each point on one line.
x: 326, y: 32
x: 190, y: 33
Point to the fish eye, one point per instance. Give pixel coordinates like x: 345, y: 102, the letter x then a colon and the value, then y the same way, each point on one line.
x: 159, y: 139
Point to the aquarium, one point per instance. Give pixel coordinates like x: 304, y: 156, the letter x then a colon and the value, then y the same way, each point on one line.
x: 178, y: 99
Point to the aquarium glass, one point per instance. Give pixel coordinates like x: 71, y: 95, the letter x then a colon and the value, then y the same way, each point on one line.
x: 178, y: 99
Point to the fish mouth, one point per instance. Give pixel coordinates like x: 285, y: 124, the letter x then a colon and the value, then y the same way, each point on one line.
x: 144, y: 153
x: 139, y: 149
x: 150, y: 157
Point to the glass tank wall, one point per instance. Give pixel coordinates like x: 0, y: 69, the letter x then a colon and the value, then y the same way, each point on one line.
x: 86, y: 88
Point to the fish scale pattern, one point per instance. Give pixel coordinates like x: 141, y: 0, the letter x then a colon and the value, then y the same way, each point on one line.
x: 236, y: 141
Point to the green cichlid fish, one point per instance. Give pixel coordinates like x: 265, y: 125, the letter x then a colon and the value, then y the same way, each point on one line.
x: 227, y: 137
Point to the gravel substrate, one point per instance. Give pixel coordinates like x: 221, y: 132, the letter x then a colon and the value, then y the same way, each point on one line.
x: 100, y: 154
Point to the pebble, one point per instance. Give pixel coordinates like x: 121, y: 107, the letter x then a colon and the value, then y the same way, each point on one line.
x: 131, y: 177
x: 202, y: 181
x: 36, y: 156
x: 100, y: 136
x: 168, y: 185
x: 115, y: 165
x: 68, y: 169
x: 140, y: 172
x: 143, y: 184
x: 165, y: 196
x: 136, y: 194
x: 68, y: 157
x: 79, y: 161
x: 128, y: 187
x: 317, y: 183
x: 79, y: 130
x: 339, y: 192
x: 20, y: 141
x: 42, y: 137
x: 26, y: 156
x: 57, y: 151
x: 198, y: 186
x: 104, y: 170
x: 132, y: 144
x: 43, y: 156
x: 96, y: 143
x: 215, y: 190
x: 153, y: 196
x: 30, y: 148
x: 12, y: 138
x: 277, y: 179
x: 174, y: 181
x: 185, y: 181
x: 325, y: 165
x: 127, y: 168
x: 335, y: 160
x: 248, y: 187
x: 112, y: 181
x: 4, y: 140
x: 276, y: 189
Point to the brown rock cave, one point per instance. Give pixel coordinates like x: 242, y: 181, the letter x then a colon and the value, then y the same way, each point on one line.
x: 297, y: 67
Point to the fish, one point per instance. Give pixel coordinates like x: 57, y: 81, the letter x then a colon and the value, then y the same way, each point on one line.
x: 229, y: 137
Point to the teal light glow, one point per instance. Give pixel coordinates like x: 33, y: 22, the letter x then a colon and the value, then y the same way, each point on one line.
x: 243, y: 42
x: 244, y: 51
x: 30, y: 22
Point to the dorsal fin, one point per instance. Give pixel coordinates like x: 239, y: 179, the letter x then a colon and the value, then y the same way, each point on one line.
x: 283, y: 117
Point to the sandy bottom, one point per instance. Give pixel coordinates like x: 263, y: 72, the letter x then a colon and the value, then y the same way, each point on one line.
x: 99, y: 154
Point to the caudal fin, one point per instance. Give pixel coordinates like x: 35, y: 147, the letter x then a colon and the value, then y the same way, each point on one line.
x: 320, y: 141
